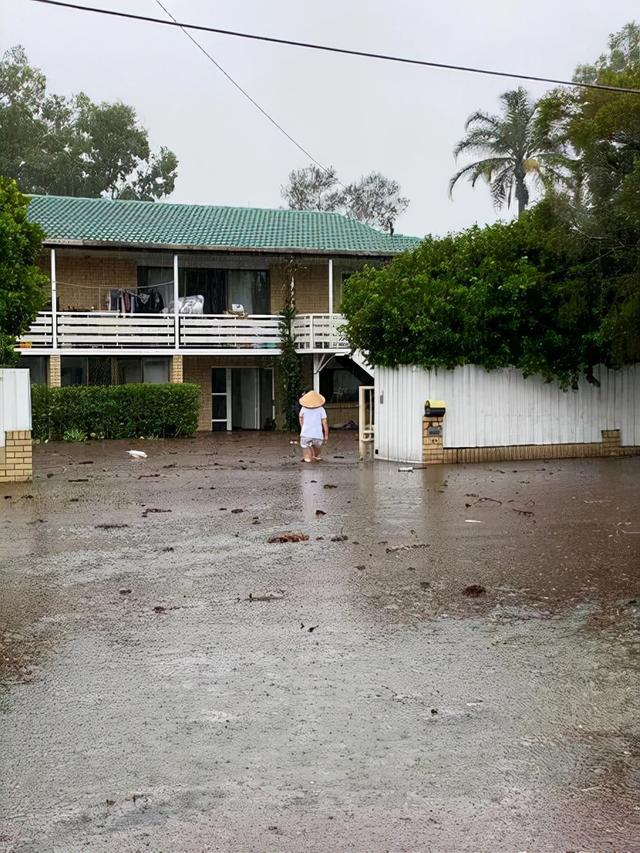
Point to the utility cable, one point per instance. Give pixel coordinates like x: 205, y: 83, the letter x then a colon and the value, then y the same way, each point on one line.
x: 341, y: 50
x: 243, y: 91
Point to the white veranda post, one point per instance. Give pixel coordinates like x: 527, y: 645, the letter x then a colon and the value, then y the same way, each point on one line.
x: 54, y: 302
x: 176, y: 307
x: 330, y: 286
x: 316, y: 373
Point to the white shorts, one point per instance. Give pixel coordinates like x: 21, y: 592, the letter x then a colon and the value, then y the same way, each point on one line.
x: 310, y: 442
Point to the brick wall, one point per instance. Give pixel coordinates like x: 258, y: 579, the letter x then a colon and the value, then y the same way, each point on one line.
x: 432, y: 452
x: 312, y: 286
x: 16, y: 461
x: 176, y: 369
x: 53, y: 372
x: 83, y: 283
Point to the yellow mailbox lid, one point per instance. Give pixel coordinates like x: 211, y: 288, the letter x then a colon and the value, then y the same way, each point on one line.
x: 436, y: 404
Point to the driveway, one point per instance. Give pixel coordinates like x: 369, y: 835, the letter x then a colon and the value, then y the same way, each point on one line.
x: 449, y: 662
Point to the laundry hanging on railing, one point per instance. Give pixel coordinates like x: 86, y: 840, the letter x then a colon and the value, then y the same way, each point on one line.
x: 148, y: 301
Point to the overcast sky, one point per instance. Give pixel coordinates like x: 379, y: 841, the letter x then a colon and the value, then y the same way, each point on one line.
x: 355, y: 114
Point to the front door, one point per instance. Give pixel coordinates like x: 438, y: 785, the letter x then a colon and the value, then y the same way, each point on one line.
x: 252, y: 397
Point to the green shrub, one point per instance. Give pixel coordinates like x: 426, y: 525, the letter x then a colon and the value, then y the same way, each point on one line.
x: 115, y: 411
x: 74, y: 435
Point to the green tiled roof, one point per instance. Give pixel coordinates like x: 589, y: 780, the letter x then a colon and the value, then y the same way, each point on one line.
x: 96, y: 220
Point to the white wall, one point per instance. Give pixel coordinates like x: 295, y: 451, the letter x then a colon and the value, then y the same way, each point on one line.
x: 15, y: 401
x: 501, y: 408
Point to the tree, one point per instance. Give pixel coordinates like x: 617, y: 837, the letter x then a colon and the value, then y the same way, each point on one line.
x: 373, y: 199
x: 599, y: 134
x: 21, y: 281
x: 529, y: 294
x: 312, y: 188
x: 51, y: 144
x: 513, y: 151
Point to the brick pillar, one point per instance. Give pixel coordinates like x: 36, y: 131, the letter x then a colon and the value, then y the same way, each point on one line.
x: 432, y: 444
x: 16, y: 465
x: 176, y: 375
x: 53, y: 377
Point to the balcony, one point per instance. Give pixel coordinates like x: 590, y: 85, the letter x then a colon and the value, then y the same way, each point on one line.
x: 107, y: 333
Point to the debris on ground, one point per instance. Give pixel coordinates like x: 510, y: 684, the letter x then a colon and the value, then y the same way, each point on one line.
x: 281, y: 538
x: 86, y: 462
x: 312, y: 628
x: 153, y: 509
x: 159, y: 609
x: 329, y: 486
x: 236, y: 511
x: 525, y: 512
x: 168, y: 548
x: 392, y: 549
x: 266, y: 596
x: 474, y: 590
x: 320, y: 512
x: 80, y: 480
x: 406, y: 468
x: 110, y: 526
x: 339, y: 538
x: 361, y: 568
x: 488, y: 500
x: 147, y: 476
x: 434, y: 711
x: 137, y: 454
x: 425, y: 584
x: 170, y: 465
x: 472, y: 521
x: 124, y: 591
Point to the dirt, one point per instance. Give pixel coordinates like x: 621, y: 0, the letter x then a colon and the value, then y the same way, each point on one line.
x: 173, y: 683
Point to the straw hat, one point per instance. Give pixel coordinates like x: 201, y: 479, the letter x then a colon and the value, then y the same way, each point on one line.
x: 312, y: 400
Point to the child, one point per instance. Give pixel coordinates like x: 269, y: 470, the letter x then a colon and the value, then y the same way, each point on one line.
x: 314, y: 427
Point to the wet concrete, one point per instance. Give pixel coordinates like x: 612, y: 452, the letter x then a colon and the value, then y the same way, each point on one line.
x: 147, y: 702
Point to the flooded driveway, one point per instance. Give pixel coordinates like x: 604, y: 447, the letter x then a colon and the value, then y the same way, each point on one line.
x: 450, y: 661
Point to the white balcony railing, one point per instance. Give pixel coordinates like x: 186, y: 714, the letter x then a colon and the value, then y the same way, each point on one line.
x: 224, y: 332
x: 107, y: 331
x: 40, y: 335
x: 320, y: 332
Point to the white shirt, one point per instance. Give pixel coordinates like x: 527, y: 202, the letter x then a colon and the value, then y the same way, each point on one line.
x: 312, y: 422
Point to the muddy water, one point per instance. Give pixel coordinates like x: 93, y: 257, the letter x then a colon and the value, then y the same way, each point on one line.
x: 147, y: 704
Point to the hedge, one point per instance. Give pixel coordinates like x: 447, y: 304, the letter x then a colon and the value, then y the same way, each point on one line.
x: 115, y: 411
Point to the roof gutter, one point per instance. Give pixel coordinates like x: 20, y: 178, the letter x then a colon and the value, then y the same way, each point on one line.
x: 178, y: 248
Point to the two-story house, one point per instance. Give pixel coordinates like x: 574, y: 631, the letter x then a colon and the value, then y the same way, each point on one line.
x: 158, y: 292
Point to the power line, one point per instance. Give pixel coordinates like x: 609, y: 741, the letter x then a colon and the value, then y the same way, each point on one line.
x: 243, y: 91
x: 329, y: 49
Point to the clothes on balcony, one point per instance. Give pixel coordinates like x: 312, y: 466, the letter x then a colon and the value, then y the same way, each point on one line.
x: 119, y: 300
x: 148, y: 301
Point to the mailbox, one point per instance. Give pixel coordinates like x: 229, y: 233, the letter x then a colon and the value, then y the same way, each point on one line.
x: 435, y: 408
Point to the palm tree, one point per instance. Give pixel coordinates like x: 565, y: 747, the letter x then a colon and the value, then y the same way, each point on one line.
x: 514, y: 149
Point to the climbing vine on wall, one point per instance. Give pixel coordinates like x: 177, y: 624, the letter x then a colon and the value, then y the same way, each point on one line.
x: 290, y: 369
